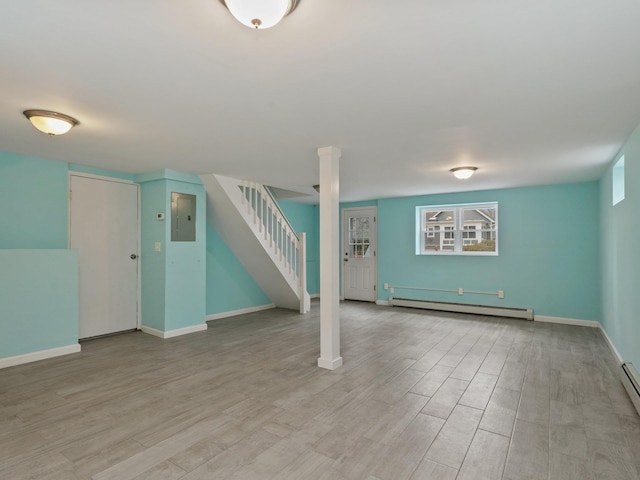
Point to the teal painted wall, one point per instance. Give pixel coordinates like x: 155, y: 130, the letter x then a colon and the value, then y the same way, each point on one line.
x: 548, y: 251
x: 229, y: 285
x: 549, y: 247
x: 33, y: 192
x: 306, y: 218
x: 620, y: 255
x: 186, y: 276
x: 153, y: 199
x: 38, y: 300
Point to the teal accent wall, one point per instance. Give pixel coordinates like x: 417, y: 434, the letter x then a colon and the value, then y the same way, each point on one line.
x: 306, y: 218
x: 38, y: 300
x: 229, y: 285
x: 186, y: 275
x: 153, y: 199
x: 174, y: 279
x: 548, y: 251
x: 620, y: 255
x: 33, y: 193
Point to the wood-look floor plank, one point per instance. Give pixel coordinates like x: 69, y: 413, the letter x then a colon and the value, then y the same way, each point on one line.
x: 446, y: 398
x: 500, y: 413
x: 406, y: 452
x: 479, y: 391
x: 432, y: 380
x: 245, y: 401
x: 485, y: 458
x: 451, y: 445
x: 428, y: 470
x: 528, y: 457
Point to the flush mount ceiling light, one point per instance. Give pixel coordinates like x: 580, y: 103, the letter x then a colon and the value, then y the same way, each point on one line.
x: 51, y: 123
x: 260, y: 14
x: 463, y: 172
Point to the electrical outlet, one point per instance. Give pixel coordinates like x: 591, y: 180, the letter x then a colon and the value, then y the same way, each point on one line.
x: 460, y: 291
x: 391, y: 290
x: 158, y: 247
x: 500, y: 293
x: 386, y: 286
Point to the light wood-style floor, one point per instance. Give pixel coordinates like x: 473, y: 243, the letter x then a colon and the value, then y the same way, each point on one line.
x: 421, y: 395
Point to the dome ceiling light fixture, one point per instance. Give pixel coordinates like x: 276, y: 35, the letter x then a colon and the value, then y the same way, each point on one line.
x: 463, y: 172
x: 260, y: 14
x: 51, y: 123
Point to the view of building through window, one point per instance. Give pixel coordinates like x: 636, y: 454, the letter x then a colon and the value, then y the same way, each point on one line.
x: 459, y: 229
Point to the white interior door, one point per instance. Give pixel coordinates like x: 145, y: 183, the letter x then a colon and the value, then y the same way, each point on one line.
x: 103, y: 227
x: 359, y: 238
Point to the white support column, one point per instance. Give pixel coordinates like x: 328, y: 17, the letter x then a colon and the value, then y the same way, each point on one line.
x: 302, y: 270
x: 329, y: 258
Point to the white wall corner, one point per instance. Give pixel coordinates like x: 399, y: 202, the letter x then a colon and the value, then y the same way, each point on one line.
x: 567, y: 321
x: 240, y: 311
x: 173, y: 333
x: 39, y: 355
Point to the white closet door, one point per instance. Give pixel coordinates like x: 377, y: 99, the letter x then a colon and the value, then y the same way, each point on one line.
x: 104, y: 230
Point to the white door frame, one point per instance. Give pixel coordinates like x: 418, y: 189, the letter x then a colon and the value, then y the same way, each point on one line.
x: 343, y: 248
x: 72, y: 173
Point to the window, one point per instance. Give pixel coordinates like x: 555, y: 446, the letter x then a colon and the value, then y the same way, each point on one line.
x: 618, y: 181
x: 458, y: 229
x: 359, y: 237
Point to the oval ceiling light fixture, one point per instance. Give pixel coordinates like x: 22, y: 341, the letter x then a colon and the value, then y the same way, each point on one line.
x: 51, y: 123
x: 463, y: 172
x: 260, y: 14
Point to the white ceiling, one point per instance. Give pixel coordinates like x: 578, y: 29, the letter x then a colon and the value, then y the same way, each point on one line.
x: 531, y: 92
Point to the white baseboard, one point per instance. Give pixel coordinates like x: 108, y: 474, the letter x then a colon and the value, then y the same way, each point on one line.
x: 567, y: 321
x: 39, y: 355
x: 314, y: 295
x: 612, y: 347
x: 330, y: 364
x: 240, y: 311
x: 524, y: 313
x: 173, y: 333
x: 583, y: 323
x: 382, y: 302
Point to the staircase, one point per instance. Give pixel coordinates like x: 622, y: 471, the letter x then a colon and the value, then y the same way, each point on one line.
x: 249, y: 220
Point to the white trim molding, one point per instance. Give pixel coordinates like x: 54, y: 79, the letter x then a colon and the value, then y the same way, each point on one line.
x: 612, y: 347
x: 567, y: 321
x: 382, y: 302
x: 240, y: 311
x: 173, y: 333
x: 314, y: 295
x: 39, y: 355
x: 330, y: 364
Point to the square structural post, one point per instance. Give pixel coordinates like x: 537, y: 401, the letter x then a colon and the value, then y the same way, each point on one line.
x: 329, y: 258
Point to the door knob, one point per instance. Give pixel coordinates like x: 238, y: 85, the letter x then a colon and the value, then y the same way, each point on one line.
x: 133, y: 256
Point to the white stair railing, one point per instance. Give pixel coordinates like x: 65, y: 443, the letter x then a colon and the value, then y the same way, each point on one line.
x: 277, y: 234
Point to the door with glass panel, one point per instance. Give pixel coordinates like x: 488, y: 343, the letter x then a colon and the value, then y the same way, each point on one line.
x: 359, y: 253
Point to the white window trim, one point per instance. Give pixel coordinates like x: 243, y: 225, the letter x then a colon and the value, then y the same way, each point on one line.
x: 459, y: 241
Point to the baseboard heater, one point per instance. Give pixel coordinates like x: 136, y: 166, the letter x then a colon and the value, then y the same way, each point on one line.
x: 631, y: 382
x: 524, y: 313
